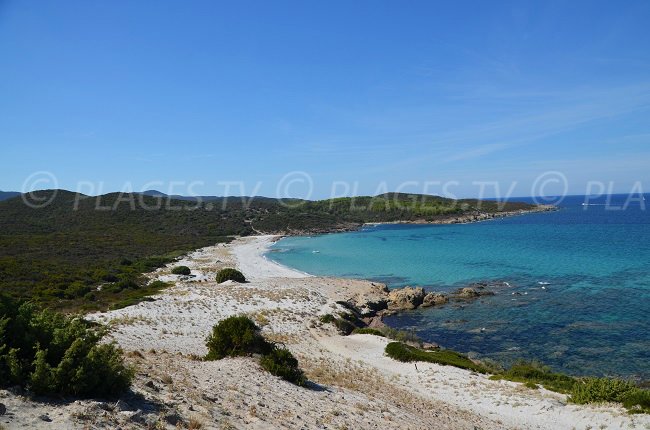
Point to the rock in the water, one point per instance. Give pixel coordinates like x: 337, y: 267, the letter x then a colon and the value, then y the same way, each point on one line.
x: 433, y: 299
x: 405, y: 298
x: 471, y: 293
x: 468, y: 292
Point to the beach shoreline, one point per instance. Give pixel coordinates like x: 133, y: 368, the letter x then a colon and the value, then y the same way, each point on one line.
x: 354, y: 384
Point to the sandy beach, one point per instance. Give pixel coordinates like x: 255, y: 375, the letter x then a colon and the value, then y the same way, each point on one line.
x: 353, y: 384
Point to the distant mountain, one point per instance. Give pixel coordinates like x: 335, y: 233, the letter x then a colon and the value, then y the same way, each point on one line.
x: 5, y: 195
x: 153, y: 193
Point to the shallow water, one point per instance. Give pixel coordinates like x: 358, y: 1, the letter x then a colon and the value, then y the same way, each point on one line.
x: 580, y: 278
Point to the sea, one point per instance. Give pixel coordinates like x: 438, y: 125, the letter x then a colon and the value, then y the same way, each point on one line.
x: 572, y: 286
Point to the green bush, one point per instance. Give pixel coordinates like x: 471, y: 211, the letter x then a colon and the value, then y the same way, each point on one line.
x: 238, y: 335
x: 235, y: 336
x: 637, y: 401
x: 366, y: 330
x: 52, y: 354
x: 595, y: 390
x: 280, y: 362
x: 327, y: 318
x: 405, y: 353
x: 401, y: 335
x: 346, y: 324
x: 580, y: 390
x: 534, y: 372
x: 181, y: 270
x: 229, y: 274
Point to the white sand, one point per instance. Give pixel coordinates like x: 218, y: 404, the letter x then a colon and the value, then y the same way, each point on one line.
x: 358, y: 386
x: 251, y: 261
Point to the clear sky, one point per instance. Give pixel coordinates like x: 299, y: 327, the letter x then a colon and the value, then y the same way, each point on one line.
x: 367, y: 92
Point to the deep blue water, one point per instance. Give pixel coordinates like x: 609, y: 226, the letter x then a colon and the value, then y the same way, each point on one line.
x: 592, y: 317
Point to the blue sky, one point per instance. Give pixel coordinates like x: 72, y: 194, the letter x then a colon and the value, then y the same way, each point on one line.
x: 379, y: 95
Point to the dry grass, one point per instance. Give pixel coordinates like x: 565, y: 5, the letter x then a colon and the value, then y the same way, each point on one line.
x: 194, y: 424
x: 130, y: 320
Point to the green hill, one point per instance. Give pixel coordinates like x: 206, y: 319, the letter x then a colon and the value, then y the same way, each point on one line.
x: 61, y: 253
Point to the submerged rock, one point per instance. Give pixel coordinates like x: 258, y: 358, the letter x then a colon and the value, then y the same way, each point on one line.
x: 472, y: 293
x: 468, y: 292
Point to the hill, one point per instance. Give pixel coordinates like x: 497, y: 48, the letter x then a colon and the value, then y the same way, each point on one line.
x: 6, y: 195
x: 59, y: 254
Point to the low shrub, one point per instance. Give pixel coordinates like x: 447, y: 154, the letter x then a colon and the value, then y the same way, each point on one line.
x: 405, y: 353
x: 637, y: 401
x: 280, y: 362
x: 53, y: 354
x: 344, y: 326
x: 346, y: 323
x: 366, y: 330
x: 181, y: 270
x: 401, y: 335
x: 535, y: 372
x: 595, y: 390
x: 327, y: 318
x: 580, y: 390
x: 229, y: 274
x: 236, y: 336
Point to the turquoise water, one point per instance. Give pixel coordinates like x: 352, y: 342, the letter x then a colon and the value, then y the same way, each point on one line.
x: 591, y: 317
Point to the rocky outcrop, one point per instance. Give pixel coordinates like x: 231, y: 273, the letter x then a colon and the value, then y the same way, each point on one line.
x: 372, y: 300
x: 433, y: 299
x: 374, y: 322
x: 472, y: 293
x: 405, y: 298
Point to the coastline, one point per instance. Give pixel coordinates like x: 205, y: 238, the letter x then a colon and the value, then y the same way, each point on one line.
x: 465, y: 218
x: 477, y: 216
x: 370, y: 350
x: 354, y: 384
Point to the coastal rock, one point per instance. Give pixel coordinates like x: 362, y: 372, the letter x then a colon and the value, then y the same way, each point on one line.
x: 472, y: 293
x: 375, y: 322
x: 433, y: 299
x: 372, y: 300
x: 468, y: 293
x: 406, y: 298
x: 430, y: 346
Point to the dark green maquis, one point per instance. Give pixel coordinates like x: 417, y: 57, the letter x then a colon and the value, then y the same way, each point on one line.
x: 52, y: 354
x: 281, y: 362
x: 181, y: 270
x: 229, y: 274
x: 236, y: 336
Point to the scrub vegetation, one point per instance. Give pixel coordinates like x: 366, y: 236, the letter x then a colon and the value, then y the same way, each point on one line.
x: 89, y: 253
